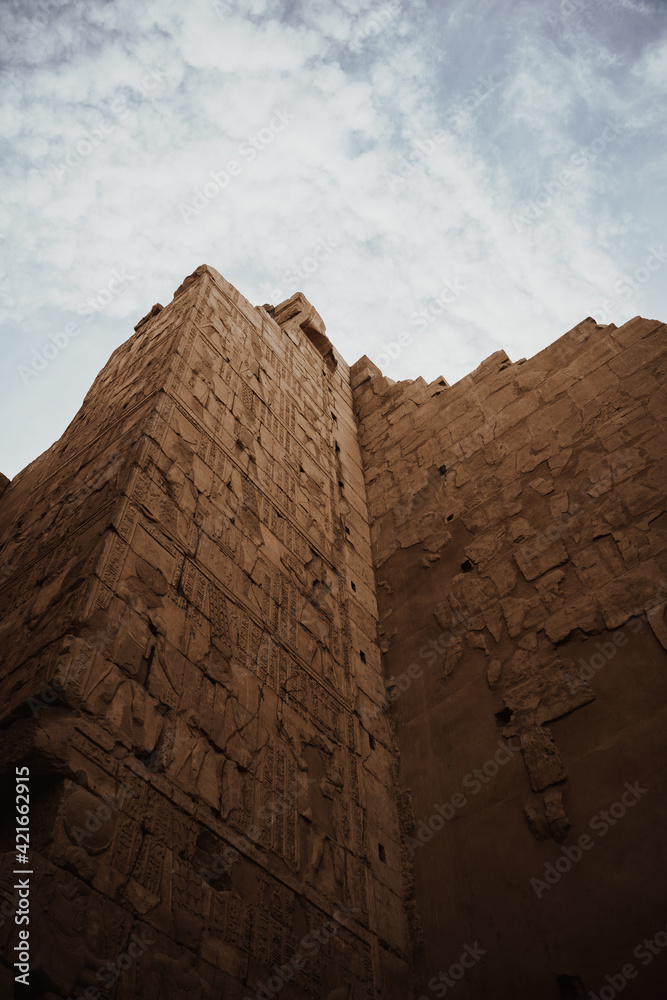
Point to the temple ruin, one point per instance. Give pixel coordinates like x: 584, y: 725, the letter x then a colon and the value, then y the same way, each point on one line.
x: 335, y: 687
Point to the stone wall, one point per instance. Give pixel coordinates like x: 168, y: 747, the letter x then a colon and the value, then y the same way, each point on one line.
x: 334, y: 687
x: 519, y: 534
x: 190, y: 671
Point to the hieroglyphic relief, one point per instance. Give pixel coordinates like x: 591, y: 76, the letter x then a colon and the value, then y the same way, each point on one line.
x: 208, y: 652
x: 278, y: 812
x: 313, y: 702
x: 193, y: 585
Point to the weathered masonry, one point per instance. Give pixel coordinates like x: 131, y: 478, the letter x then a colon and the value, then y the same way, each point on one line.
x: 333, y: 687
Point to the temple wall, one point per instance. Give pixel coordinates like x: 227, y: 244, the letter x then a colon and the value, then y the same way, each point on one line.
x: 336, y: 687
x: 191, y: 672
x: 519, y: 532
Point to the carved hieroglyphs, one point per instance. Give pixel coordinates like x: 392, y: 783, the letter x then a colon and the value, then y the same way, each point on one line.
x: 263, y: 614
x: 182, y: 671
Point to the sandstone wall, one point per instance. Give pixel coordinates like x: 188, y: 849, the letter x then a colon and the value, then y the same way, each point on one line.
x: 519, y: 534
x: 190, y: 670
x: 194, y: 668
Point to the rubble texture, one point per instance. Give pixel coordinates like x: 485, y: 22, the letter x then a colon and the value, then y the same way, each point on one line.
x: 264, y: 614
x: 519, y: 532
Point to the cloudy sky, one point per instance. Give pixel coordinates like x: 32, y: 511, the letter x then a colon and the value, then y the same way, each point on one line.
x: 463, y: 175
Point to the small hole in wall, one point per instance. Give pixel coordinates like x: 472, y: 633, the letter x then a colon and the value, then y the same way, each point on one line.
x: 382, y: 854
x: 334, y: 416
x: 353, y: 585
x: 337, y: 447
x: 466, y: 566
x: 347, y: 531
x: 442, y: 470
x: 341, y: 483
x: 504, y: 716
x: 362, y: 655
x: 301, y: 469
x: 371, y: 741
x: 450, y: 517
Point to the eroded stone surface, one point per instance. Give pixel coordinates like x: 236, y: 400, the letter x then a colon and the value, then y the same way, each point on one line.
x: 542, y: 622
x: 268, y: 620
x: 192, y: 618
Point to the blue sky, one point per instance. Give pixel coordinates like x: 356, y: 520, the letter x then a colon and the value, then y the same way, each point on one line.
x: 462, y: 176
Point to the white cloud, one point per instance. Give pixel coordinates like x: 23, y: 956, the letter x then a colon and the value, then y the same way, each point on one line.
x: 652, y: 68
x: 183, y: 88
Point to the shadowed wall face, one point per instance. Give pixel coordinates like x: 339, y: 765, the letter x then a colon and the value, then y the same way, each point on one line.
x: 189, y: 646
x: 519, y: 530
